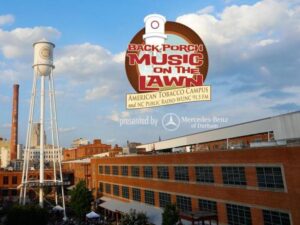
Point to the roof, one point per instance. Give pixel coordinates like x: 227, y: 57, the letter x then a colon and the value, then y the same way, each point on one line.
x: 85, y: 160
x: 153, y: 213
x: 285, y: 126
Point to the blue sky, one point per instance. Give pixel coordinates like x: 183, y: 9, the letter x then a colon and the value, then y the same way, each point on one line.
x: 253, y: 48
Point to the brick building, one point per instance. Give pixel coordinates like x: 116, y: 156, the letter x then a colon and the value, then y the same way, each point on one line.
x: 77, y: 160
x: 242, y: 174
x: 10, y: 180
x: 85, y: 151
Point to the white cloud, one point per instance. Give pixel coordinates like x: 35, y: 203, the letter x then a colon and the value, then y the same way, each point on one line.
x: 293, y: 89
x: 66, y: 129
x: 97, y: 93
x: 82, y: 61
x: 125, y: 114
x: 237, y: 22
x: 266, y: 42
x: 18, y: 42
x: 120, y: 57
x: 101, y: 72
x: 115, y: 116
x: 9, y: 75
x: 6, y: 19
x: 251, y: 40
x: 88, y: 63
x: 207, y: 10
x: 111, y: 140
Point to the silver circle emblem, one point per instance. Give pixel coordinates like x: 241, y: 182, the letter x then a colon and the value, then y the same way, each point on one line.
x: 170, y: 122
x: 45, y: 53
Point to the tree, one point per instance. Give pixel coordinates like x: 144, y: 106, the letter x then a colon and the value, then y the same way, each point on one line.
x: 27, y: 215
x: 134, y: 218
x: 81, y: 199
x: 170, y: 216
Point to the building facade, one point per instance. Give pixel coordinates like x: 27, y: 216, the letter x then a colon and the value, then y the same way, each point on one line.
x: 77, y: 161
x: 50, y: 153
x: 4, y: 152
x: 249, y: 186
x: 86, y: 151
x: 10, y: 180
x: 80, y: 141
x: 35, y: 135
x: 246, y: 174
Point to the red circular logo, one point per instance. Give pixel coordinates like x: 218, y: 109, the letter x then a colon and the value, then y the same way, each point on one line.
x: 177, y: 58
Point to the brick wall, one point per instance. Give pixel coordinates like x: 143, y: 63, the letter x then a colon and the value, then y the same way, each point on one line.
x: 285, y: 200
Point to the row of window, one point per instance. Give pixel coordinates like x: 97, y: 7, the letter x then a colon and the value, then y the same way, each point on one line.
x: 6, y: 180
x: 236, y: 214
x: 267, y: 177
x: 183, y: 203
x: 135, y: 171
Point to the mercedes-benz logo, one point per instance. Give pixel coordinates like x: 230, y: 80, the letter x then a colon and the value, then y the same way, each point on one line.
x: 170, y: 122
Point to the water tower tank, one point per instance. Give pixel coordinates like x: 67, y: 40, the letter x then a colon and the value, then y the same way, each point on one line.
x: 43, y: 57
x: 154, y: 29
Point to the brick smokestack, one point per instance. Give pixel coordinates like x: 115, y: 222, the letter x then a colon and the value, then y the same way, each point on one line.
x: 14, y: 123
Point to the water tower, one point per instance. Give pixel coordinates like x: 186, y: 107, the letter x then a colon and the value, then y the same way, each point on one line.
x: 154, y: 29
x: 43, y: 72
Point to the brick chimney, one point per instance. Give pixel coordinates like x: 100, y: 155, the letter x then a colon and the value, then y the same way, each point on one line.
x: 14, y: 123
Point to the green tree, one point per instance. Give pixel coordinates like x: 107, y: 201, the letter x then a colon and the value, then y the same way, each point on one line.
x: 81, y: 199
x: 134, y: 218
x: 27, y: 215
x: 170, y: 216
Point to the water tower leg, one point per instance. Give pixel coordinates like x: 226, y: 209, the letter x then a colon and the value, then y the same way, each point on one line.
x: 57, y: 142
x: 42, y: 114
x: 26, y: 153
x: 55, y: 150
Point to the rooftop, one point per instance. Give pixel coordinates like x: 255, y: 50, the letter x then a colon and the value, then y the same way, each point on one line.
x: 283, y: 127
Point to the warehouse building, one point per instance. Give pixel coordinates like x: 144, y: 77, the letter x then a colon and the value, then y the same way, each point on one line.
x: 242, y: 174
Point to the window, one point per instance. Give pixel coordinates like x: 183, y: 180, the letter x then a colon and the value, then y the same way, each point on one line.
x: 181, y: 173
x: 238, y: 215
x: 100, y: 189
x: 116, y: 190
x: 115, y: 170
x: 164, y: 199
x: 135, y: 171
x: 5, y: 180
x: 148, y: 171
x: 136, y: 194
x: 206, y: 205
x: 184, y: 203
x: 234, y: 175
x: 269, y: 177
x: 162, y: 172
x: 125, y: 192
x: 124, y: 170
x: 108, y: 188
x: 204, y: 174
x: 14, y: 180
x: 107, y: 169
x: 276, y: 218
x: 149, y: 197
x: 100, y: 169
